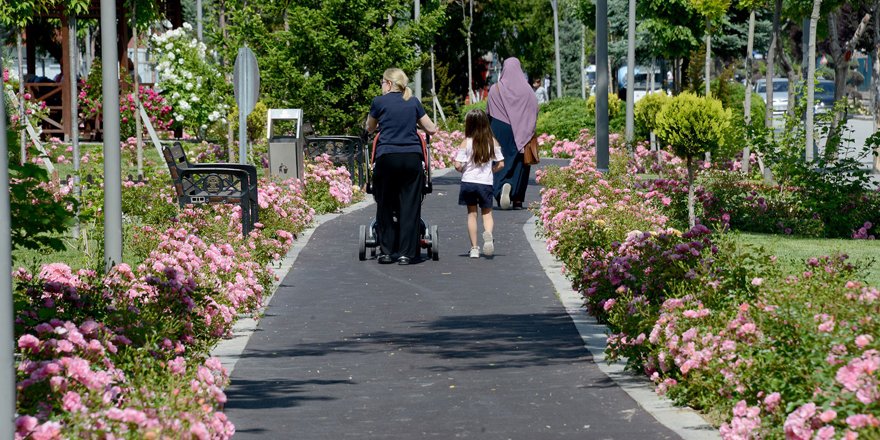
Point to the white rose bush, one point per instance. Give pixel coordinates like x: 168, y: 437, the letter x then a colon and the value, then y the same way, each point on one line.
x: 195, y: 89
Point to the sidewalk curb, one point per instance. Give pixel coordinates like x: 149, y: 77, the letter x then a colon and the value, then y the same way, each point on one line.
x: 683, y: 421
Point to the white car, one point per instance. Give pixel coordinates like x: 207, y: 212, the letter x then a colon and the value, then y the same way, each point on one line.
x: 780, y: 93
x: 823, y: 97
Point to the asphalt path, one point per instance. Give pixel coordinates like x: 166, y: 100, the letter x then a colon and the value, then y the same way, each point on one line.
x: 455, y: 348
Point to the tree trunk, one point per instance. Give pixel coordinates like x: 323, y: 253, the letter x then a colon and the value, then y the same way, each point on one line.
x: 747, y: 106
x: 771, y: 61
x: 841, y: 69
x: 558, y: 66
x: 708, y: 57
x: 811, y: 76
x: 708, y: 155
x: 221, y: 18
x: 676, y: 76
x: 22, y: 137
x: 793, y: 75
x: 467, y: 20
x: 692, y: 218
x: 875, y: 84
x: 221, y: 23
x: 630, y: 74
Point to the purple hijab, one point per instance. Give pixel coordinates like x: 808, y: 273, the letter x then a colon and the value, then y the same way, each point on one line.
x: 513, y: 101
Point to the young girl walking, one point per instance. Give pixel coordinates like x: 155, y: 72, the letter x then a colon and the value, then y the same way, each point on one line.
x: 477, y: 159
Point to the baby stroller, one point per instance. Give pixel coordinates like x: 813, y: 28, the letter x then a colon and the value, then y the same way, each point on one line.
x: 367, y: 235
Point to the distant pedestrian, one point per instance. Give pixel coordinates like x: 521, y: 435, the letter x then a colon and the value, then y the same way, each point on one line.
x: 540, y: 91
x: 477, y: 159
x: 513, y: 113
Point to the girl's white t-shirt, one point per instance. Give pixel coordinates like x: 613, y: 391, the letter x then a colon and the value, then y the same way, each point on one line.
x: 474, y: 173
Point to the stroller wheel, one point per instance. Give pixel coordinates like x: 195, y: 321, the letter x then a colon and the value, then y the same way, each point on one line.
x: 372, y: 239
x: 362, y: 243
x: 435, y: 244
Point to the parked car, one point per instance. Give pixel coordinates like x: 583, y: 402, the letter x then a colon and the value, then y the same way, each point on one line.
x: 780, y: 93
x: 823, y: 97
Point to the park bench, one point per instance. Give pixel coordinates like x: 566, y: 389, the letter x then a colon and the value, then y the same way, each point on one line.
x: 196, y: 184
x: 347, y: 151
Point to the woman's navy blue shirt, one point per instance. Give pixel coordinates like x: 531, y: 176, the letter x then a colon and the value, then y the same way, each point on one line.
x: 397, y: 123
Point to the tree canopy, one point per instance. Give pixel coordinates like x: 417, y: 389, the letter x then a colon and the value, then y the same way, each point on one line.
x: 330, y: 60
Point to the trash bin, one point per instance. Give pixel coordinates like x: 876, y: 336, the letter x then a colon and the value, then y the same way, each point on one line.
x: 285, y: 157
x: 285, y: 151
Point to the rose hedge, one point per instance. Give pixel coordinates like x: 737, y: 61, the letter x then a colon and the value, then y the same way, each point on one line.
x: 717, y: 325
x: 124, y: 354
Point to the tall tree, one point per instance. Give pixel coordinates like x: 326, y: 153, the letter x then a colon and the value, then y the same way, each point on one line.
x: 875, y: 83
x: 771, y: 63
x: 811, y: 76
x: 712, y: 11
x: 841, y: 25
x: 300, y: 68
x: 572, y: 48
x: 674, y: 28
x: 508, y: 28
x: 751, y: 6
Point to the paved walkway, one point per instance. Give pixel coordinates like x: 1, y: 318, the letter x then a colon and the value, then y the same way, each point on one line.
x: 456, y: 348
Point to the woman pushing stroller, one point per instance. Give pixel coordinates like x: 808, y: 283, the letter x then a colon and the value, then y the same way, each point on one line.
x: 398, y: 173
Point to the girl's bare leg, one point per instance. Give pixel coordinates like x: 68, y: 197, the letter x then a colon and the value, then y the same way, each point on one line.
x: 488, y: 220
x: 488, y: 239
x: 472, y: 224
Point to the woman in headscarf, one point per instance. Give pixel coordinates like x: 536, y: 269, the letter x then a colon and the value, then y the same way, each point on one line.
x: 513, y: 112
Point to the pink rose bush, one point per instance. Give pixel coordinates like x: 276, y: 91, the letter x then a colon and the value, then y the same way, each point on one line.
x: 444, y: 145
x: 33, y: 108
x: 90, y: 104
x: 85, y: 380
x: 716, y: 325
x: 327, y: 186
x: 122, y: 354
x: 576, y: 203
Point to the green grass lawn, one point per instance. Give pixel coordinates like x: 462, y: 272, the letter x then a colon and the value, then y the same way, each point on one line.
x: 792, y: 252
x: 85, y: 252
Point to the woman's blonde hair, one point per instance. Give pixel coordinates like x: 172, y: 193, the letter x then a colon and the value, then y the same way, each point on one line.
x: 398, y: 81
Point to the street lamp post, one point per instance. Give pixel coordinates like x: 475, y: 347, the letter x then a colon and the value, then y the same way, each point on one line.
x: 112, y: 156
x: 630, y: 73
x: 602, y: 85
x: 417, y: 83
x: 199, y: 21
x: 7, y: 336
x: 555, y: 6
x: 469, y: 60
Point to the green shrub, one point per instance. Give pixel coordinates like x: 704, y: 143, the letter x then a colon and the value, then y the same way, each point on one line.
x: 615, y: 106
x: 256, y: 121
x: 467, y: 108
x: 836, y: 190
x: 39, y: 212
x: 733, y: 99
x: 645, y: 113
x: 564, y: 118
x: 693, y: 125
x: 756, y: 207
